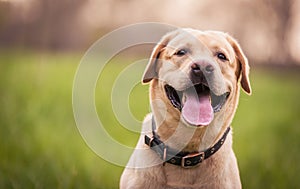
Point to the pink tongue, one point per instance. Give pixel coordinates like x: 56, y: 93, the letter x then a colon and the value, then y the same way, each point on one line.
x: 197, y: 110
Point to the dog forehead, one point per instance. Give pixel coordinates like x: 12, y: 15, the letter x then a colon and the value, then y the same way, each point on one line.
x: 201, y: 41
x: 194, y: 38
x: 214, y: 39
x: 183, y: 39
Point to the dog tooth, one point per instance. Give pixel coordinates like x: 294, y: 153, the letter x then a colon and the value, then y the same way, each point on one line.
x: 183, y: 99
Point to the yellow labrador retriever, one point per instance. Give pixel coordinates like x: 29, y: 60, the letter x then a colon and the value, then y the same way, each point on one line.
x: 186, y: 142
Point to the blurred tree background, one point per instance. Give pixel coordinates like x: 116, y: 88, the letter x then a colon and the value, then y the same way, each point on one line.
x: 268, y: 30
x: 42, y: 42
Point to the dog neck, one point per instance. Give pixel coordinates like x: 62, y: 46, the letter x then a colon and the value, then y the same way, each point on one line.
x: 182, y: 137
x: 181, y: 158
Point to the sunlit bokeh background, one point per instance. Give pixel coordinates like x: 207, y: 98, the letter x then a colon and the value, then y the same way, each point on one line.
x: 43, y: 41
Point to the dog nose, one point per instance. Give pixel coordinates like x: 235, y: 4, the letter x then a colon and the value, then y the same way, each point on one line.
x: 209, y: 68
x: 196, y: 69
x: 199, y: 68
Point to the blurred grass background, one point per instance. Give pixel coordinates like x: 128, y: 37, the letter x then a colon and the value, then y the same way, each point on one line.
x: 42, y: 148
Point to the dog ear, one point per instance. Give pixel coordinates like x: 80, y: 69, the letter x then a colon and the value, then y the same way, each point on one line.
x: 245, y: 69
x: 151, y: 69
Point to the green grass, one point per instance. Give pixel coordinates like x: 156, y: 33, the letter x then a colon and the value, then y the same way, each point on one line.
x: 42, y: 148
x: 267, y: 130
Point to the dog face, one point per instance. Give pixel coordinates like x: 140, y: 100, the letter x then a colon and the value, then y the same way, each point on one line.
x: 197, y: 74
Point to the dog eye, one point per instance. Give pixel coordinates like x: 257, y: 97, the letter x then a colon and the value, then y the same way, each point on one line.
x: 222, y: 56
x: 181, y: 52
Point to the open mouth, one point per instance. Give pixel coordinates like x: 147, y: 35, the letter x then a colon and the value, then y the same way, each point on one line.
x: 197, y: 103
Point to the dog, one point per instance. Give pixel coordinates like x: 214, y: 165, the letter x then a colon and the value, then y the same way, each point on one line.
x: 186, y: 142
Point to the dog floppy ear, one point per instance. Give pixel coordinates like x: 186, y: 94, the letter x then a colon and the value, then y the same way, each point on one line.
x: 151, y: 69
x: 245, y: 69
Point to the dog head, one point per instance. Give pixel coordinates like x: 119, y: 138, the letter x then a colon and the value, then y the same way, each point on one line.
x: 197, y: 75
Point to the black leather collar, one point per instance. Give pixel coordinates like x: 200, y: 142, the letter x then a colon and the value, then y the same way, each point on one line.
x: 183, y: 159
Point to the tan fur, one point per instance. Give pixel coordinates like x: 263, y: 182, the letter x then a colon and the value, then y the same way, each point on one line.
x: 218, y: 171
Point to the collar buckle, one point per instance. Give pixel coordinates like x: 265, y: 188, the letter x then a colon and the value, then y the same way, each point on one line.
x: 192, y: 160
